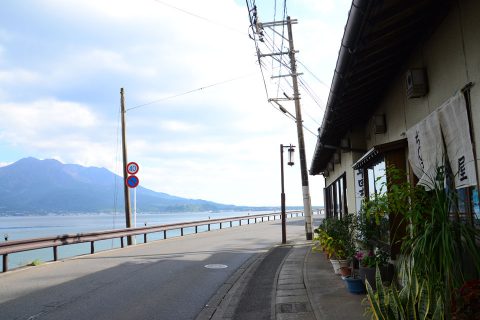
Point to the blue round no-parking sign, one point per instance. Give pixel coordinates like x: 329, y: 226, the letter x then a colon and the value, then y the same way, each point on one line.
x: 132, y: 181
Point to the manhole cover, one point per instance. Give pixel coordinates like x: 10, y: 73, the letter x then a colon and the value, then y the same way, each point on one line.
x: 216, y: 266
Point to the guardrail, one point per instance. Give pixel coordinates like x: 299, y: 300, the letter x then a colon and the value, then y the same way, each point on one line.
x: 10, y: 247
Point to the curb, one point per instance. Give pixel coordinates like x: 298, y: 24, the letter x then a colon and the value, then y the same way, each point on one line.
x: 316, y: 310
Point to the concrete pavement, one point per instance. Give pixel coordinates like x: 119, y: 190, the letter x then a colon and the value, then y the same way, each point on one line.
x: 304, y: 287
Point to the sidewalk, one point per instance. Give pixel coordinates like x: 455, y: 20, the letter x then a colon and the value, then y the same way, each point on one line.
x: 289, y: 282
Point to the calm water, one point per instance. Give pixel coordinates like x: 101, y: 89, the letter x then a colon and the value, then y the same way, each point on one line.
x: 16, y: 227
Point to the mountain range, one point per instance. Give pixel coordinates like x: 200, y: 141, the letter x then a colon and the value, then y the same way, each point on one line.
x: 49, y: 186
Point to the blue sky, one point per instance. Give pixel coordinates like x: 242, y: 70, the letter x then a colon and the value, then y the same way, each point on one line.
x: 62, y: 64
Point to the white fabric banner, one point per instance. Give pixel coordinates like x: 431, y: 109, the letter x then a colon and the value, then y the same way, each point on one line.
x: 425, y: 149
x: 359, y: 189
x: 456, y: 133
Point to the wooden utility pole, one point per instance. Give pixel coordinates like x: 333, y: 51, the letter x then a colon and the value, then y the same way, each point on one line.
x: 259, y: 27
x: 307, y: 203
x: 126, y: 190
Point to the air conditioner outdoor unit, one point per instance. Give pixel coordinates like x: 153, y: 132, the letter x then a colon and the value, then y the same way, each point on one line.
x: 416, y: 81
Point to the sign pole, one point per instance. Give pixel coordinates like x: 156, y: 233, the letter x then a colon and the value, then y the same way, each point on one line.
x: 132, y: 181
x: 135, y: 207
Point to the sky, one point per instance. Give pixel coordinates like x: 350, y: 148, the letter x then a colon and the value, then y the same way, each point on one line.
x: 198, y: 119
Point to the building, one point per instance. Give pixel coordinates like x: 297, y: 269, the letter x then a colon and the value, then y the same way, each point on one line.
x: 407, y: 79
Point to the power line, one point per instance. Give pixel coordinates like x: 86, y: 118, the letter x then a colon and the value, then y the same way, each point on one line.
x: 264, y: 38
x: 252, y: 16
x: 318, y: 79
x: 198, y: 16
x: 188, y: 92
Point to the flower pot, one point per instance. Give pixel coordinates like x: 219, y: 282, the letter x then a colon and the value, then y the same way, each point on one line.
x: 355, y: 285
x: 345, y: 271
x: 337, y: 264
x: 386, y: 272
x: 368, y: 274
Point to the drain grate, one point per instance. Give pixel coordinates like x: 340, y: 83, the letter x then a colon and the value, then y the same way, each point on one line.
x: 293, y: 307
x: 216, y: 266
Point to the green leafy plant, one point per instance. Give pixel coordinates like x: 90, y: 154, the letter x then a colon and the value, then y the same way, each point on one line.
x: 413, y: 301
x: 35, y: 262
x: 434, y: 251
x: 439, y: 242
x: 335, y: 236
x: 374, y: 258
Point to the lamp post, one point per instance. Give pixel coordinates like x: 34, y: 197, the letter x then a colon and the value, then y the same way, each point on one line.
x: 291, y: 150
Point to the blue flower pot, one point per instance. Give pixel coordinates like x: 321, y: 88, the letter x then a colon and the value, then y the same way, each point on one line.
x: 355, y: 285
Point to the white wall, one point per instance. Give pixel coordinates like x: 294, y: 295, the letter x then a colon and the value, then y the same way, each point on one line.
x: 451, y: 57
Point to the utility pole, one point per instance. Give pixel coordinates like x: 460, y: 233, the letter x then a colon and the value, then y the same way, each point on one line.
x: 126, y: 191
x: 307, y: 203
x: 259, y: 27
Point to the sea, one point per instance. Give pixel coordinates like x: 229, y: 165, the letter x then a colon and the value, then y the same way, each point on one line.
x: 17, y: 227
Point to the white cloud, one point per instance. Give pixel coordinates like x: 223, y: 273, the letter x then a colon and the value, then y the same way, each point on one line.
x: 218, y: 143
x: 46, y: 114
x: 181, y: 126
x: 18, y: 76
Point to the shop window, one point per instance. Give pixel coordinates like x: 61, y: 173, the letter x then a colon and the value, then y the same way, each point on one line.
x: 376, y: 179
x: 336, y: 198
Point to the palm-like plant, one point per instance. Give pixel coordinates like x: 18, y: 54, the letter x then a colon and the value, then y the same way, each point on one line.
x: 435, y: 249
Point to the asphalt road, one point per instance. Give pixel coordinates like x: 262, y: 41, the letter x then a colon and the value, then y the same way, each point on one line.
x: 164, y: 280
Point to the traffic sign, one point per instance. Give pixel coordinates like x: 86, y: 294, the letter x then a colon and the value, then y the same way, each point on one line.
x: 132, y: 167
x: 132, y: 181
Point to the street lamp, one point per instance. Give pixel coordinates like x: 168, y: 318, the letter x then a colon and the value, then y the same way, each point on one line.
x: 291, y: 150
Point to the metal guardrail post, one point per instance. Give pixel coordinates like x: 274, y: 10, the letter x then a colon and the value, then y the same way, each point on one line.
x: 209, y: 227
x: 144, y: 238
x: 164, y: 234
x: 55, y: 253
x: 92, y: 247
x: 230, y: 224
x: 240, y: 222
x: 181, y: 232
x: 5, y: 262
x: 121, y: 242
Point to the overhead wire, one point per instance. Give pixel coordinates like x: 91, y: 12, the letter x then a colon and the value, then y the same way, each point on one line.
x: 313, y: 75
x: 254, y: 38
x: 199, y: 16
x: 187, y: 92
x: 269, y: 43
x: 274, y: 20
x: 283, y: 27
x: 304, y: 111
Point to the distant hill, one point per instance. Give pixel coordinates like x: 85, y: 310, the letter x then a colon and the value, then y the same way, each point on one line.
x: 49, y: 186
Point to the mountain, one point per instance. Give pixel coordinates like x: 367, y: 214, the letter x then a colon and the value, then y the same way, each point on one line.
x: 49, y: 186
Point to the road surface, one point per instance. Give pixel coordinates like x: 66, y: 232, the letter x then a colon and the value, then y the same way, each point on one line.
x: 164, y: 280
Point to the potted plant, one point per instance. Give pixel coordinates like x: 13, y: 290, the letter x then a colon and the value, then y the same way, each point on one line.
x: 439, y: 252
x: 355, y: 284
x: 341, y: 243
x: 345, y: 271
x: 369, y: 262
